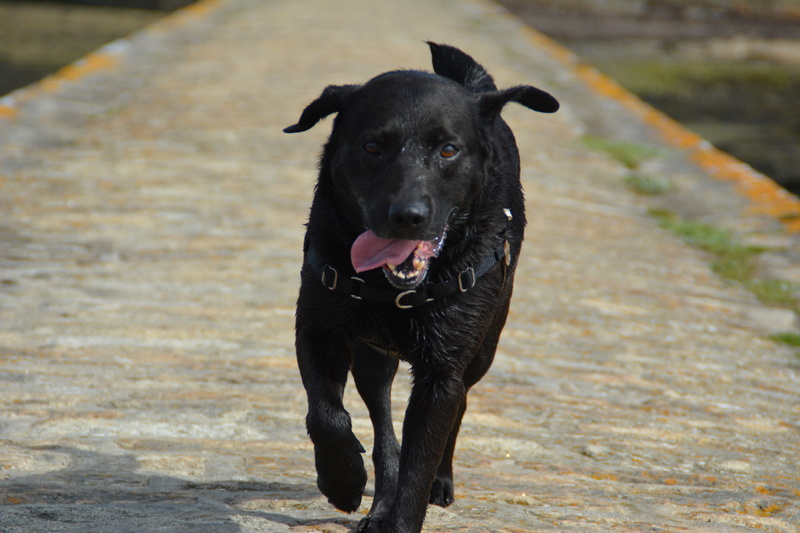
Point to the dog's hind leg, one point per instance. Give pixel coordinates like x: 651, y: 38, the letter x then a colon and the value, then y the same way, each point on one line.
x: 373, y: 374
x: 324, y: 364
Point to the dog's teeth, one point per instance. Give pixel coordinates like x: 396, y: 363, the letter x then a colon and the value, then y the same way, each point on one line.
x: 418, y: 264
x: 391, y: 267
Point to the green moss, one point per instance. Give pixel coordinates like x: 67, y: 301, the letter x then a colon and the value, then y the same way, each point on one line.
x: 701, y: 235
x: 733, y: 261
x: 792, y: 338
x: 629, y: 154
x: 648, y: 185
x: 776, y: 292
x: 735, y: 266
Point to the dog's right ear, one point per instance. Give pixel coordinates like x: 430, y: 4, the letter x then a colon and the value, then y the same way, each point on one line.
x: 330, y: 101
x: 492, y: 103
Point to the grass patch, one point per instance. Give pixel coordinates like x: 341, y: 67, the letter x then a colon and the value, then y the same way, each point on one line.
x: 775, y: 292
x: 632, y: 155
x: 792, y: 338
x: 735, y: 265
x: 733, y: 261
x: 648, y: 185
x: 629, y: 154
x: 704, y: 236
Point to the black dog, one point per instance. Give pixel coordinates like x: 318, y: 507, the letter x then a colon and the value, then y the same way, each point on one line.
x: 410, y: 251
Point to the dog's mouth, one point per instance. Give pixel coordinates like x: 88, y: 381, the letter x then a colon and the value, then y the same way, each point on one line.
x: 405, y: 262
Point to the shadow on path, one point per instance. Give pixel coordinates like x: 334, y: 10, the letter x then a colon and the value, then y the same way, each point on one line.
x: 101, y: 492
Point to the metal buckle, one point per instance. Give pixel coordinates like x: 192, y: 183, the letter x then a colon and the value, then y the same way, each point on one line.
x: 471, y: 280
x: 400, y: 296
x: 327, y: 271
x: 356, y: 293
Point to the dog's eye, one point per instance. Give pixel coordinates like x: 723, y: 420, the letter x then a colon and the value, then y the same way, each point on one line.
x: 448, y: 151
x: 372, y: 148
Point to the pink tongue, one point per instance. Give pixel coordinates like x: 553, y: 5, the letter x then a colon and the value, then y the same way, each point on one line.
x: 370, y: 251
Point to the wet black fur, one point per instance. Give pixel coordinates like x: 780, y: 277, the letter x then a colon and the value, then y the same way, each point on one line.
x: 407, y: 117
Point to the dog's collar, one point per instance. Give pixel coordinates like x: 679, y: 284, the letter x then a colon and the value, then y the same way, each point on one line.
x: 357, y: 288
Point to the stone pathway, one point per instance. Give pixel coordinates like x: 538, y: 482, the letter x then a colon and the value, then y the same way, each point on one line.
x: 151, y: 219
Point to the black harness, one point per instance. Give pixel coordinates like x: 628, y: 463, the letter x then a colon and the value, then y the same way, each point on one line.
x: 357, y: 288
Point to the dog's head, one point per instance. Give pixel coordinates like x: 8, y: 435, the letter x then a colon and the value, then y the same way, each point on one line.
x: 410, y: 149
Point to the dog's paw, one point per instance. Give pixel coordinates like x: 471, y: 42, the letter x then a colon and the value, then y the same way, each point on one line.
x: 370, y: 524
x: 348, y: 500
x: 442, y: 492
x: 341, y: 475
x: 386, y: 524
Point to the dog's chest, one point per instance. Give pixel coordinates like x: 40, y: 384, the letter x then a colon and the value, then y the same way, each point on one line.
x: 390, y: 334
x: 383, y: 347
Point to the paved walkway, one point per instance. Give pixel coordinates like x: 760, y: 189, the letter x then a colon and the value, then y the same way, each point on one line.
x: 150, y: 229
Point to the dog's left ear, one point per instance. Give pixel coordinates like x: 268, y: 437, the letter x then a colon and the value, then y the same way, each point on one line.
x: 330, y: 101
x: 492, y: 103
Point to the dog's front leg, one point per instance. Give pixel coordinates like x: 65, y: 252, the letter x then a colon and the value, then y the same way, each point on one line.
x: 324, y: 364
x: 373, y: 374
x: 436, y: 399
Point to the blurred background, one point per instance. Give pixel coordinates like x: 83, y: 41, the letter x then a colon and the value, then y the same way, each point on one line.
x: 37, y: 38
x: 727, y: 69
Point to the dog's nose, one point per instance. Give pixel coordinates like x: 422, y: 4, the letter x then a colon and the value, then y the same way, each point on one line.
x: 409, y: 215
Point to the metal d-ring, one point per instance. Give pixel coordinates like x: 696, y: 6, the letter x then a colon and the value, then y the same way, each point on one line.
x: 400, y: 297
x: 327, y: 270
